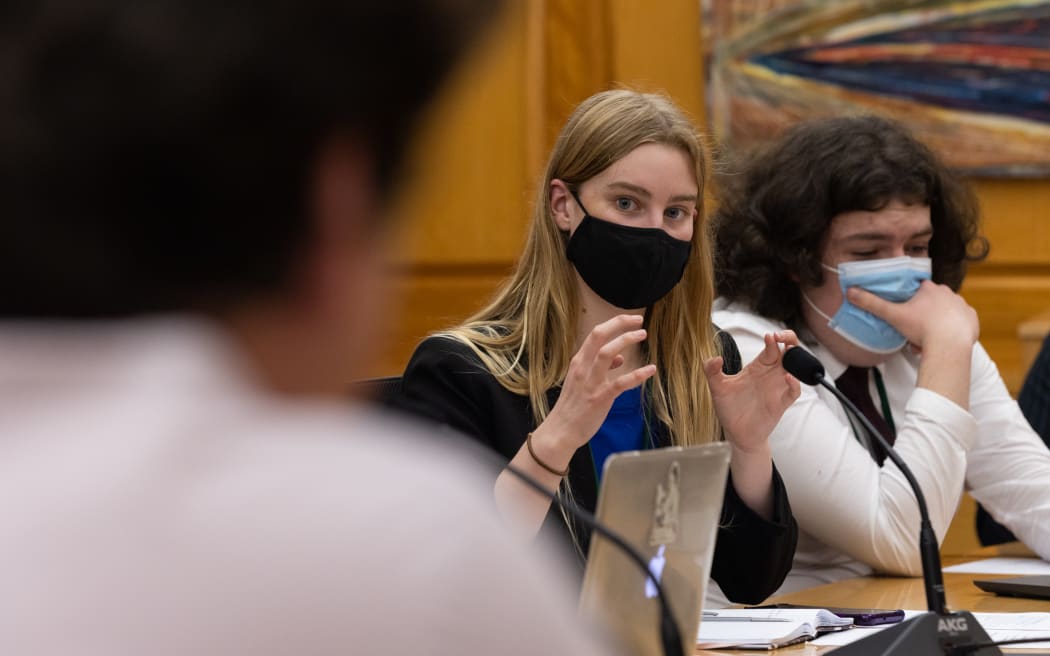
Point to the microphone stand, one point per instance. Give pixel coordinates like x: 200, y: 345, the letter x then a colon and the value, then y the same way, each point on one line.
x: 670, y: 635
x: 938, y: 631
x: 929, y: 550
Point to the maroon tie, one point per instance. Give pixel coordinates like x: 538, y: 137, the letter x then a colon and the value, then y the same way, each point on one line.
x: 853, y: 383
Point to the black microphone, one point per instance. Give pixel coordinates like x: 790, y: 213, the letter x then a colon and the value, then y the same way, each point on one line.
x: 670, y: 635
x: 937, y: 631
x: 801, y: 364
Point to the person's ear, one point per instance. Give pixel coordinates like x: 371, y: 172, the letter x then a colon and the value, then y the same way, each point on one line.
x: 561, y: 203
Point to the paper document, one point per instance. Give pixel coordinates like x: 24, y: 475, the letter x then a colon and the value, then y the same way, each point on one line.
x: 765, y: 628
x: 998, y: 626
x: 1002, y: 566
x: 1010, y: 626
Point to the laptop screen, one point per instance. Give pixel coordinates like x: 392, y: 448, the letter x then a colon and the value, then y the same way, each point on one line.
x: 667, y: 504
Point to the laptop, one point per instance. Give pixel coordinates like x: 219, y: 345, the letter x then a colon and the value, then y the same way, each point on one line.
x: 667, y: 504
x: 1035, y: 587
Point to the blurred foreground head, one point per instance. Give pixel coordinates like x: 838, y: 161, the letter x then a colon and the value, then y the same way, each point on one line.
x: 165, y: 156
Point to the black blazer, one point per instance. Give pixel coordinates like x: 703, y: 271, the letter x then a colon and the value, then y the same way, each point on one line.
x: 446, y: 382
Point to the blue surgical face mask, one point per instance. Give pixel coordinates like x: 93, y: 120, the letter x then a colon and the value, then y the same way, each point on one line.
x: 895, y: 279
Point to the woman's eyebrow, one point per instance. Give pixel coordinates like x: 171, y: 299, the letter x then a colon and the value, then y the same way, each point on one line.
x: 641, y: 191
x: 645, y: 193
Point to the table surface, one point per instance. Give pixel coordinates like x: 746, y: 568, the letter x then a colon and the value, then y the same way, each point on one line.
x: 907, y: 593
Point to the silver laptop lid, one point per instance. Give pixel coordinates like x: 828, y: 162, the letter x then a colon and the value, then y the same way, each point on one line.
x: 667, y: 504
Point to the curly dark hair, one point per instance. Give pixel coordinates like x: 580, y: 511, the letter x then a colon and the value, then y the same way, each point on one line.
x: 776, y: 208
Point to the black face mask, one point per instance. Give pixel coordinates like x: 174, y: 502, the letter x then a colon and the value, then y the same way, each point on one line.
x: 628, y: 267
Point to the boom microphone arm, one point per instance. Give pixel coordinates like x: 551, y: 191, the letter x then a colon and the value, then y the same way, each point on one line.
x: 803, y: 365
x: 936, y: 632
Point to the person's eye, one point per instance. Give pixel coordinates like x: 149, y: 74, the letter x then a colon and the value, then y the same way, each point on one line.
x: 860, y: 255
x: 625, y: 204
x: 919, y: 250
x: 677, y: 213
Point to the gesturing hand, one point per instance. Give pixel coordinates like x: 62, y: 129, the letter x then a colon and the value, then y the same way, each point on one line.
x: 750, y: 403
x: 592, y: 382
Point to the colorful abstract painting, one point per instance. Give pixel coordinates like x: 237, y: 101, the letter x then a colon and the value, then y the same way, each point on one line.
x: 972, y: 79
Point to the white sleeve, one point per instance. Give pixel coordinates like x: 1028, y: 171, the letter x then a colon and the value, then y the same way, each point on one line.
x: 490, y: 594
x: 1009, y: 466
x: 839, y: 494
x: 428, y: 568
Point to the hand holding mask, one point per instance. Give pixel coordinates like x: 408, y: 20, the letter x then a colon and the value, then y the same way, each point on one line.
x: 934, y: 315
x: 894, y: 279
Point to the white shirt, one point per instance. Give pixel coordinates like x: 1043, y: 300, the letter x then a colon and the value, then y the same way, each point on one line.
x: 153, y: 500
x: 855, y: 516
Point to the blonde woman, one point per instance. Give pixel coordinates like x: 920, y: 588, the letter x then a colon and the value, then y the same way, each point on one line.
x: 602, y: 341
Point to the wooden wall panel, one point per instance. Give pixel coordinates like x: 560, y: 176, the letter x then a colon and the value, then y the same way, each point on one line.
x: 1016, y: 217
x: 1004, y: 297
x: 464, y: 213
x: 578, y: 38
x: 430, y: 300
x: 468, y: 201
x: 660, y: 51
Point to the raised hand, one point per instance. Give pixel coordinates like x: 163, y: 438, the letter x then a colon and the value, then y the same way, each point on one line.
x: 593, y: 381
x: 596, y: 376
x: 750, y: 403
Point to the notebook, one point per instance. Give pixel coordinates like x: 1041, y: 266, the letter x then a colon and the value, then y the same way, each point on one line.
x: 667, y: 504
x: 1037, y: 587
x: 765, y: 628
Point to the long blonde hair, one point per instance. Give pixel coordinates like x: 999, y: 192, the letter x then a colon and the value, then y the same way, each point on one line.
x: 526, y: 335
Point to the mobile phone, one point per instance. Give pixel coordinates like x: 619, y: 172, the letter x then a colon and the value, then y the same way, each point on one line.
x: 860, y: 616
